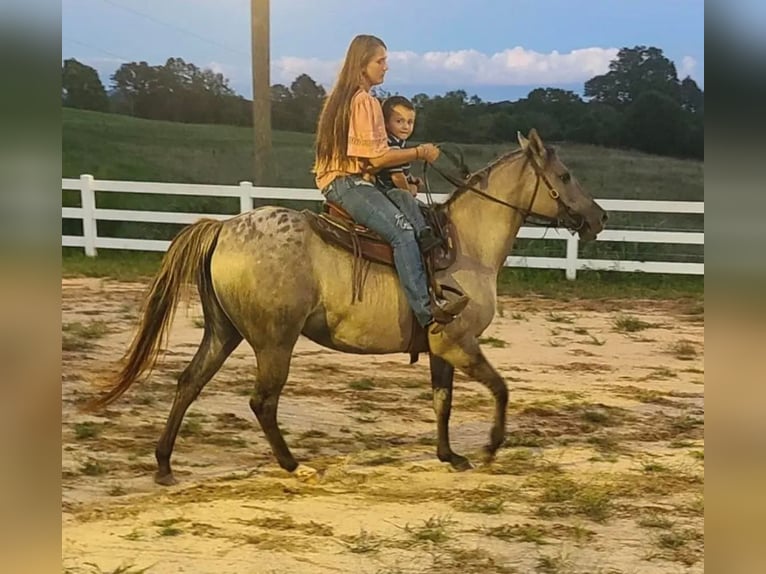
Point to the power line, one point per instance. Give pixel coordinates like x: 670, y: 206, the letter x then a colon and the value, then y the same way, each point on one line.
x: 176, y: 27
x: 91, y: 47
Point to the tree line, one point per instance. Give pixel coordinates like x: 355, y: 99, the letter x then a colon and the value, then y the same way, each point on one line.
x: 176, y: 91
x: 639, y: 103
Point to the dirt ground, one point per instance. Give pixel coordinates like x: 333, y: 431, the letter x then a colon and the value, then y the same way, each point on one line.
x: 602, y: 471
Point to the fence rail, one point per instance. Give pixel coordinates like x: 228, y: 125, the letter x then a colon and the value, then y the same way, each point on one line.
x: 89, y: 213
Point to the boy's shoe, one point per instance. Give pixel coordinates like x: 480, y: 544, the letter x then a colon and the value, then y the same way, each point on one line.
x: 428, y: 240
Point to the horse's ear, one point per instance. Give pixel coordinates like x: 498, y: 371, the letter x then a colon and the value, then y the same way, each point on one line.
x: 523, y: 142
x: 536, y: 144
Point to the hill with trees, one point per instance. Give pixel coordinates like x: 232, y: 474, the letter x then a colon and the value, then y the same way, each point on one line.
x: 640, y: 103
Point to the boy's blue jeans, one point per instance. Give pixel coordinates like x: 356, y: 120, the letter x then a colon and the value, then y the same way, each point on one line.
x: 408, y: 205
x: 396, y: 219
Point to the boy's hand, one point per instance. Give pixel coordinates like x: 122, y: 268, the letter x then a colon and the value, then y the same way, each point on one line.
x: 417, y: 183
x: 413, y: 189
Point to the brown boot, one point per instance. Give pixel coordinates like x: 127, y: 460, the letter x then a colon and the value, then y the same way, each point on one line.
x: 456, y: 306
x: 445, y: 313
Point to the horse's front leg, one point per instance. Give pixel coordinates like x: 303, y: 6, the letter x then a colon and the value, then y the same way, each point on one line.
x: 442, y: 374
x: 466, y: 355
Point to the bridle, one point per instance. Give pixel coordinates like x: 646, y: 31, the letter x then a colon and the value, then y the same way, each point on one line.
x: 527, y: 213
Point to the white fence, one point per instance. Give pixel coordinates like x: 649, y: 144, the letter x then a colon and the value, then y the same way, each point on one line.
x: 90, y: 213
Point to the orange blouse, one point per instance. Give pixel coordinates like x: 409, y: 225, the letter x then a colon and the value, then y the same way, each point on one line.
x: 367, y: 138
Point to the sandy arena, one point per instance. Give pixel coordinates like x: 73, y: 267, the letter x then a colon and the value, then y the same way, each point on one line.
x: 602, y: 471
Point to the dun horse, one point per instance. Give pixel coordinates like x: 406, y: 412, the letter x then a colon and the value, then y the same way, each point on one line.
x: 267, y: 277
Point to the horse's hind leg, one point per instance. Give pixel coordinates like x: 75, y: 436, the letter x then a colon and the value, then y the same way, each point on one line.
x: 218, y: 342
x: 273, y: 369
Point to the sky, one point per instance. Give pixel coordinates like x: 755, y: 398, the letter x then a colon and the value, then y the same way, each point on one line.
x: 496, y: 49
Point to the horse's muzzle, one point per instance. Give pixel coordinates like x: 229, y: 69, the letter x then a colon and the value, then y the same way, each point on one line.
x: 592, y: 223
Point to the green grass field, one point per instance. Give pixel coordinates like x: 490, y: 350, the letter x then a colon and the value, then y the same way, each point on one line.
x: 110, y: 146
x: 117, y: 147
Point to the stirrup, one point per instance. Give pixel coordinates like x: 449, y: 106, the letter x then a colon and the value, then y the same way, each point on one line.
x: 428, y: 240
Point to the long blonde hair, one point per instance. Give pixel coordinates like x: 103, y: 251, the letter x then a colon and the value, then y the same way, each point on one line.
x: 333, y: 126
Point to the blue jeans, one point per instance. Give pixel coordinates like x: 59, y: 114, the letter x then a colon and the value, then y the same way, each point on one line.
x: 408, y: 205
x: 371, y: 207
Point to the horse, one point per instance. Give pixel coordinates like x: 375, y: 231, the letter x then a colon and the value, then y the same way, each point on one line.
x: 267, y: 277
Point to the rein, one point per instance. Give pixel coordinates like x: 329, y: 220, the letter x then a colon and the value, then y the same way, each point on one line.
x: 466, y: 174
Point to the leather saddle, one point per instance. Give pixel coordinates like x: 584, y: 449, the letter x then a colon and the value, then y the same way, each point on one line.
x: 336, y: 227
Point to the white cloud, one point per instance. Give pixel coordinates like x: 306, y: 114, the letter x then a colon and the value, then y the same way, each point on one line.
x: 227, y: 70
x: 285, y: 70
x: 687, y: 66
x: 513, y: 66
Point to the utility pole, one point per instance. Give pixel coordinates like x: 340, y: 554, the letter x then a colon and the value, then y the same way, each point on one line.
x: 263, y: 168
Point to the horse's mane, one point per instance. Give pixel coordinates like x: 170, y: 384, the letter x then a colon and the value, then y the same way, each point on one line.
x: 483, y: 172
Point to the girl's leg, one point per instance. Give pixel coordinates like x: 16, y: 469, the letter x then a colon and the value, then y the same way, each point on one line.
x: 370, y: 207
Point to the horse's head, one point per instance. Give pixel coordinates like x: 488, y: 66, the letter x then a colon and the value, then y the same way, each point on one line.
x: 557, y: 194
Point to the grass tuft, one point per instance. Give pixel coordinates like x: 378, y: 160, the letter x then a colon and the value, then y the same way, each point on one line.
x: 683, y: 350
x: 363, y: 543
x: 168, y: 526
x: 630, y: 324
x: 432, y: 530
x: 523, y: 532
x: 93, y: 468
x: 117, y: 490
x: 655, y: 521
x: 80, y: 337
x: 559, y: 318
x: 563, y: 496
x: 493, y: 342
x: 362, y: 385
x: 88, y: 430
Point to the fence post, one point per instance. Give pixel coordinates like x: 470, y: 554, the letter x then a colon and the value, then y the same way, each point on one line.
x: 245, y: 196
x: 88, y: 201
x: 572, y: 248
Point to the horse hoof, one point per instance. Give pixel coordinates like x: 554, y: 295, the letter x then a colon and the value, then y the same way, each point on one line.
x: 461, y: 463
x: 488, y: 456
x: 306, y: 474
x: 165, y: 479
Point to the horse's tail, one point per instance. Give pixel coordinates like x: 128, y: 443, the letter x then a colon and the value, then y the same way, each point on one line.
x: 183, y: 263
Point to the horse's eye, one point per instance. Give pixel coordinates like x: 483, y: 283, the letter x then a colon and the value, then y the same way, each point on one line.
x: 565, y: 177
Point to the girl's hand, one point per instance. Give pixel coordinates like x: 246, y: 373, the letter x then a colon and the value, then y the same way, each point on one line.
x: 428, y: 152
